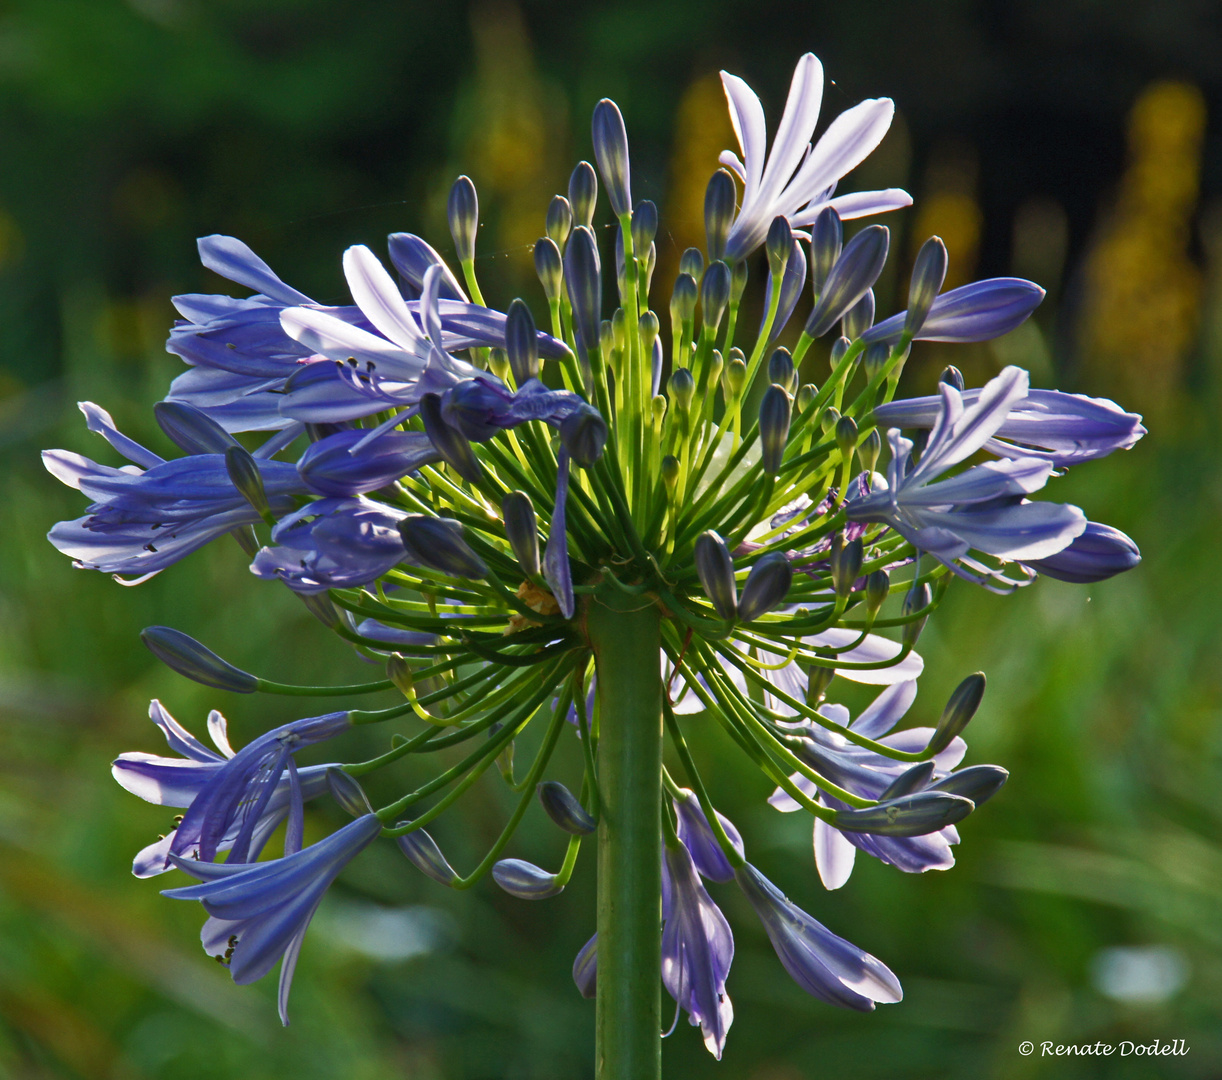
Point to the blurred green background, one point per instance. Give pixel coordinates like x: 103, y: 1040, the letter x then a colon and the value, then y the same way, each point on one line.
x: 1074, y: 142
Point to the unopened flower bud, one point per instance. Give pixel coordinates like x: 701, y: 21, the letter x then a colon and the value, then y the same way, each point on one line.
x: 682, y: 388
x: 928, y: 273
x: 644, y: 227
x: 611, y: 153
x: 692, y: 262
x: 766, y: 586
x: 735, y: 376
x: 716, y: 571
x: 977, y: 782
x: 348, y: 793
x: 585, y: 969
x: 191, y: 429
x: 918, y: 814
x: 452, y: 444
x: 670, y: 471
x: 399, y: 672
x: 651, y: 264
x: 188, y: 657
x: 914, y: 600
x: 839, y: 347
x: 714, y: 295
x: 438, y: 543
x: 781, y: 370
x: 738, y: 282
x: 855, y: 271
x: 521, y: 343
x: 559, y: 220
x: 583, y: 194
x: 846, y: 436
x: 829, y: 419
x: 498, y: 363
x: 424, y: 854
x: 826, y: 240
x: 719, y: 200
x: 859, y: 318
x: 846, y: 563
x: 683, y: 300
x: 564, y: 809
x: 657, y: 409
x: 909, y: 781
x: 807, y: 393
x: 525, y: 880
x: 778, y: 245
x: 959, y: 711
x: 245, y: 476
x: 462, y: 210
x: 648, y: 328
x: 775, y: 413
x: 878, y: 588
x: 875, y: 358
x: 522, y: 530
x: 868, y: 450
x: 583, y: 279
x: 320, y: 606
x: 549, y: 266
x: 584, y: 434
x: 819, y: 678
x: 952, y: 376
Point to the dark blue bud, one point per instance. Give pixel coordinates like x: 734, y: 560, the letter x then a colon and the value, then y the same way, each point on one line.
x: 192, y: 430
x: 522, y: 343
x: 585, y: 969
x: 348, y: 793
x: 917, y: 814
x: 682, y: 388
x: 452, y: 444
x: 868, y: 450
x: 670, y: 471
x: 859, y: 318
x: 525, y: 880
x: 779, y: 245
x: 719, y: 201
x: 714, y: 295
x: 550, y: 267
x: 875, y: 358
x: 914, y: 600
x: 846, y: 436
x: 1100, y: 552
x: 855, y: 271
x: 462, y: 210
x: 928, y: 273
x: 977, y: 782
x: 959, y: 711
x: 878, y: 588
x: 584, y: 434
x: 775, y: 412
x: 716, y: 571
x: 522, y: 530
x: 692, y: 262
x: 583, y: 194
x: 909, y: 781
x: 766, y: 586
x: 839, y: 347
x: 611, y: 153
x: 846, y: 563
x: 826, y: 240
x: 781, y: 370
x: 438, y: 543
x: 952, y: 376
x: 564, y: 809
x: 583, y: 278
x: 683, y: 300
x: 559, y: 220
x: 424, y: 854
x: 188, y: 657
x: 644, y: 227
x: 245, y: 476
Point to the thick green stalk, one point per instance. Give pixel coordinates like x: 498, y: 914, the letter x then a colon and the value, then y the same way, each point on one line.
x: 625, y: 634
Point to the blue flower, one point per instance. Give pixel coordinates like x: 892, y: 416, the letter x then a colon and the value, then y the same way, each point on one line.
x: 178, y: 781
x: 824, y: 965
x: 1100, y: 552
x: 147, y: 517
x: 335, y: 466
x: 697, y: 949
x: 701, y: 843
x: 977, y: 312
x: 795, y: 179
x: 979, y: 509
x: 260, y: 914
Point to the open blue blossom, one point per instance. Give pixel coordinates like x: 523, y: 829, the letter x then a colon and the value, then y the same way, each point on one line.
x: 260, y: 914
x: 697, y: 949
x: 178, y: 781
x: 794, y: 179
x: 148, y: 515
x: 979, y: 509
x: 335, y: 466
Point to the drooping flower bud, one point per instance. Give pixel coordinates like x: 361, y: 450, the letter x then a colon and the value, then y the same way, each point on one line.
x: 819, y: 678
x: 452, y: 444
x: 859, y: 318
x: 826, y: 240
x: 909, y: 781
x: 868, y: 450
x: 917, y: 814
x: 611, y: 153
x: 348, y: 793
x: 977, y: 782
x: 564, y: 809
x: 846, y: 563
x: 559, y: 220
x: 522, y: 530
x: 878, y: 588
x: 716, y: 571
x: 682, y: 388
x: 855, y: 271
x: 245, y: 476
x: 719, y: 200
x: 781, y: 370
x: 779, y: 245
x: 583, y: 278
x: 399, y: 672
x: 585, y: 969
x: 525, y: 880
x: 190, y: 429
x: 775, y: 413
x: 958, y: 713
x: 584, y: 434
x: 424, y: 854
x: 583, y: 194
x: 462, y: 210
x: 952, y: 376
x: 644, y: 227
x: 714, y: 295
x: 914, y: 600
x: 549, y: 266
x: 438, y: 543
x: 521, y: 343
x: 692, y: 262
x: 928, y: 273
x: 766, y: 586
x: 188, y: 657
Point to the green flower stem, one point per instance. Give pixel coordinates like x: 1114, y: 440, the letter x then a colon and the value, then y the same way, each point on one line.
x: 625, y: 635
x: 266, y: 686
